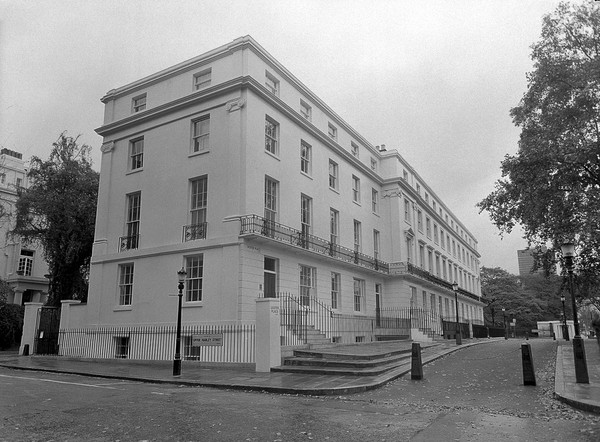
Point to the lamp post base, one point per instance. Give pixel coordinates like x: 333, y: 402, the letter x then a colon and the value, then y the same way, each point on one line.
x: 458, y: 339
x: 581, y: 371
x: 177, y: 367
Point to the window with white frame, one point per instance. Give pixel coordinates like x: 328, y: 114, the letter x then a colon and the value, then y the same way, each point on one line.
x: 435, y: 233
x: 355, y: 189
x: 305, y: 157
x: 420, y: 220
x: 201, y: 134
x: 413, y: 297
x: 354, y: 149
x: 422, y: 256
x: 407, y: 211
x: 25, y: 262
x: 334, y: 226
x: 136, y: 154
x: 405, y: 175
x: 335, y: 290
x: 305, y: 110
x: 376, y: 244
x: 357, y: 236
x: 333, y: 175
x: 374, y: 201
x: 272, y: 83
x: 270, y: 277
x: 202, y: 79
x: 424, y: 295
x: 199, y: 198
x: 332, y: 131
x: 125, y: 283
x: 194, y: 267
x: 271, y: 136
x: 271, y: 192
x: 138, y: 103
x: 132, y: 225
x: 442, y: 237
x: 305, y: 215
x: 308, y: 276
x: 428, y: 227
x: 359, y: 295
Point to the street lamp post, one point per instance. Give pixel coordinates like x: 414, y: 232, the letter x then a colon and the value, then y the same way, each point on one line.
x: 565, y: 326
x: 504, y: 322
x: 177, y: 361
x: 458, y: 331
x: 581, y: 371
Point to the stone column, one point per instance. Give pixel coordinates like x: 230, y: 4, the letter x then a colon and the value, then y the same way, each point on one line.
x: 30, y: 326
x: 268, y: 343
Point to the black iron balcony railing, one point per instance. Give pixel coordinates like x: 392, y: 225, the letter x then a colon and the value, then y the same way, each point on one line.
x: 414, y: 270
x: 253, y: 224
x: 129, y: 242
x: 194, y: 231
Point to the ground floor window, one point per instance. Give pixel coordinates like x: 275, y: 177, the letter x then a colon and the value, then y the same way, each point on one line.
x: 307, y: 284
x: 270, y: 277
x: 359, y: 295
x: 335, y: 290
x: 194, y: 267
x: 125, y: 284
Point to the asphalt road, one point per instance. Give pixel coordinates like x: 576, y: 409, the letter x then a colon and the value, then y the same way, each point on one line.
x: 475, y: 394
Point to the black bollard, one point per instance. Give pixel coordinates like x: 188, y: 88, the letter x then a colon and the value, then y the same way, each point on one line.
x: 416, y: 371
x: 528, y: 371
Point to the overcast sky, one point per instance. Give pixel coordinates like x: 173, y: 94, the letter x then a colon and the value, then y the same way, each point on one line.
x: 433, y: 79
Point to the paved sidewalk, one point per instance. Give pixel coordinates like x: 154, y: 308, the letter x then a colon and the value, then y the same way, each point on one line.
x: 583, y: 396
x: 566, y: 389
x: 234, y: 378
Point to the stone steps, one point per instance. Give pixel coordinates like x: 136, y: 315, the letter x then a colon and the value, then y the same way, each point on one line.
x: 346, y: 360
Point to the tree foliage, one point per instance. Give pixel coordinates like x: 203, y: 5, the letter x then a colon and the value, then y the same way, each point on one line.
x: 58, y: 211
x: 551, y: 187
x: 527, y: 299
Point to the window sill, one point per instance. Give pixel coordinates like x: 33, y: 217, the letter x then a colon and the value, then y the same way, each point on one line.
x: 357, y: 203
x: 333, y: 189
x: 306, y: 175
x: 200, y: 152
x: 139, y: 169
x: 272, y: 155
x: 192, y: 304
x: 122, y: 308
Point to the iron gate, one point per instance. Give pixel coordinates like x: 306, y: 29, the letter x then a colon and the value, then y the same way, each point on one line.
x: 46, y: 336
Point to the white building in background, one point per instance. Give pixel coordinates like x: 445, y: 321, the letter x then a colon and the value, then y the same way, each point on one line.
x: 21, y: 265
x: 227, y: 165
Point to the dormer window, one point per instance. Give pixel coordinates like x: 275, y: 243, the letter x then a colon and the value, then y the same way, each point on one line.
x: 272, y: 83
x: 202, y: 79
x: 332, y: 131
x: 305, y: 110
x: 138, y: 103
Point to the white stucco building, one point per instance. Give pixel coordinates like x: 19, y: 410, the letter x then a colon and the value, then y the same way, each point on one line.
x: 227, y: 165
x: 21, y: 265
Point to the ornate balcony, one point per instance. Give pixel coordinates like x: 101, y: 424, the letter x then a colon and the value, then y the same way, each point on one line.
x: 194, y: 232
x: 257, y: 225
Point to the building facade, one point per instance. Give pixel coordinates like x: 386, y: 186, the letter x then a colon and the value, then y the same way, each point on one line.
x: 228, y: 166
x: 21, y: 265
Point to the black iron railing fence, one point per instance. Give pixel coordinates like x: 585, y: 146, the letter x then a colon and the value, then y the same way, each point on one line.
x: 305, y: 320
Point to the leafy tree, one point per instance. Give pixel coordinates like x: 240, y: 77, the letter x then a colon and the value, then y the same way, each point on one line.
x: 527, y: 299
x: 11, y: 319
x: 58, y: 211
x: 551, y: 187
